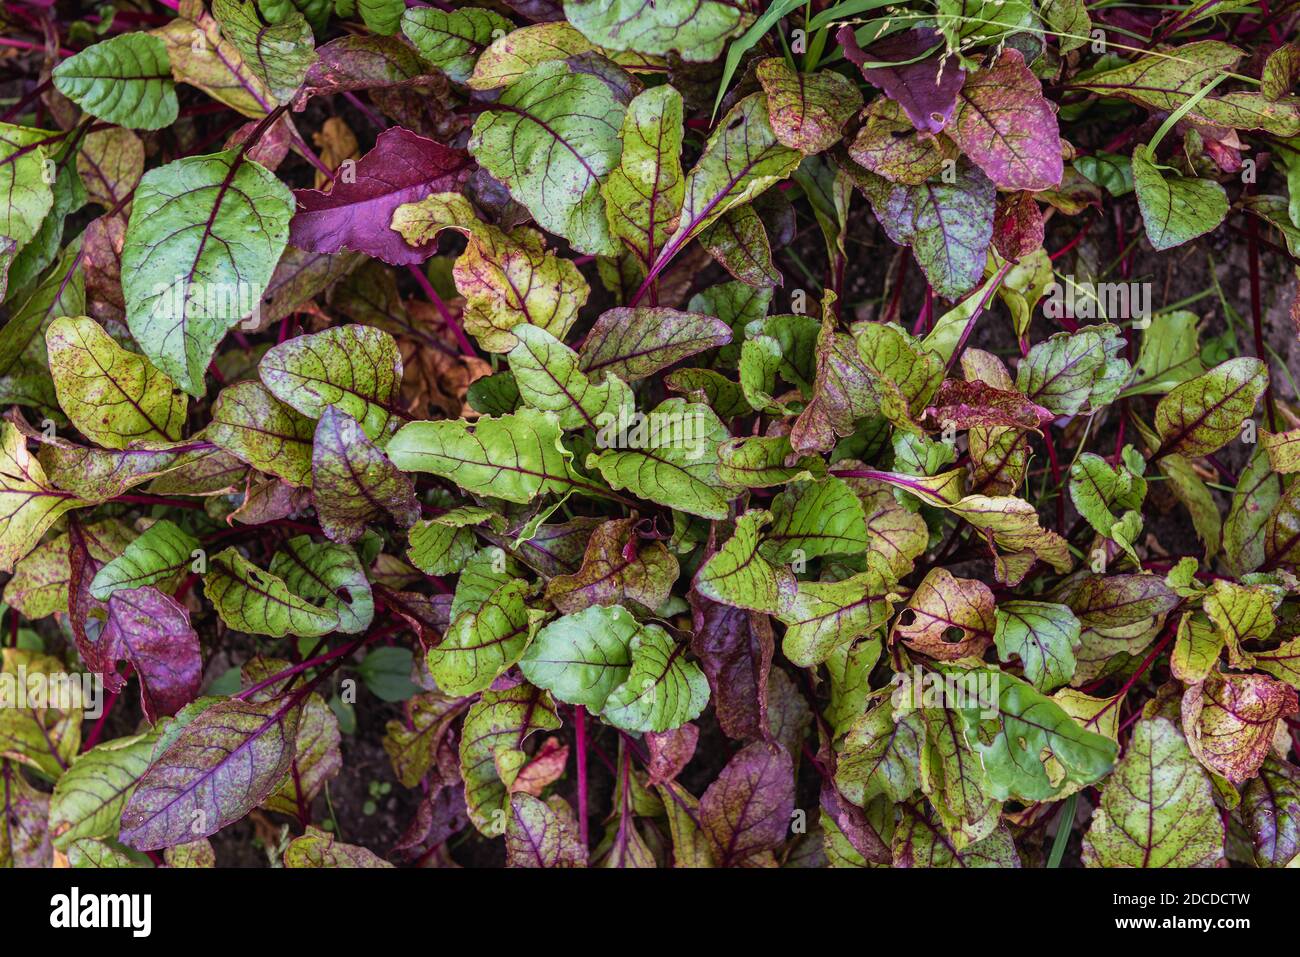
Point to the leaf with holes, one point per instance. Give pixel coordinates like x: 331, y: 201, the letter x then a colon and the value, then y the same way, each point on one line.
x: 1043, y: 635
x: 914, y: 71
x: 506, y: 278
x: 329, y: 575
x: 942, y: 604
x: 1029, y: 724
x: 880, y: 754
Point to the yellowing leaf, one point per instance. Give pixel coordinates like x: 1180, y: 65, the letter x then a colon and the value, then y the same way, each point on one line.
x: 112, y: 396
x: 1204, y: 414
x: 201, y: 56
x: 511, y: 56
x: 1229, y: 721
x: 23, y: 180
x: 807, y: 110
x: 29, y: 504
x: 506, y: 278
x: 942, y: 604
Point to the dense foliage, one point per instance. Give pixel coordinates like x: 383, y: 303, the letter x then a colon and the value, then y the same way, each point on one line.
x: 685, y: 433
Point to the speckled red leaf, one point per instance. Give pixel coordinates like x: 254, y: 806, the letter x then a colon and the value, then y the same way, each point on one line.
x: 746, y: 811
x: 735, y: 650
x: 223, y: 764
x: 1017, y: 225
x: 963, y: 405
x: 1004, y: 123
x: 152, y: 631
x: 353, y: 482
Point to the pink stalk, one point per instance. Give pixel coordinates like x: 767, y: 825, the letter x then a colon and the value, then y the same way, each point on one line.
x: 1257, y: 313
x: 580, y: 721
x: 98, y: 730
x: 423, y: 281
x: 365, y: 110
x: 302, y: 666
x: 28, y: 45
x: 979, y: 310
